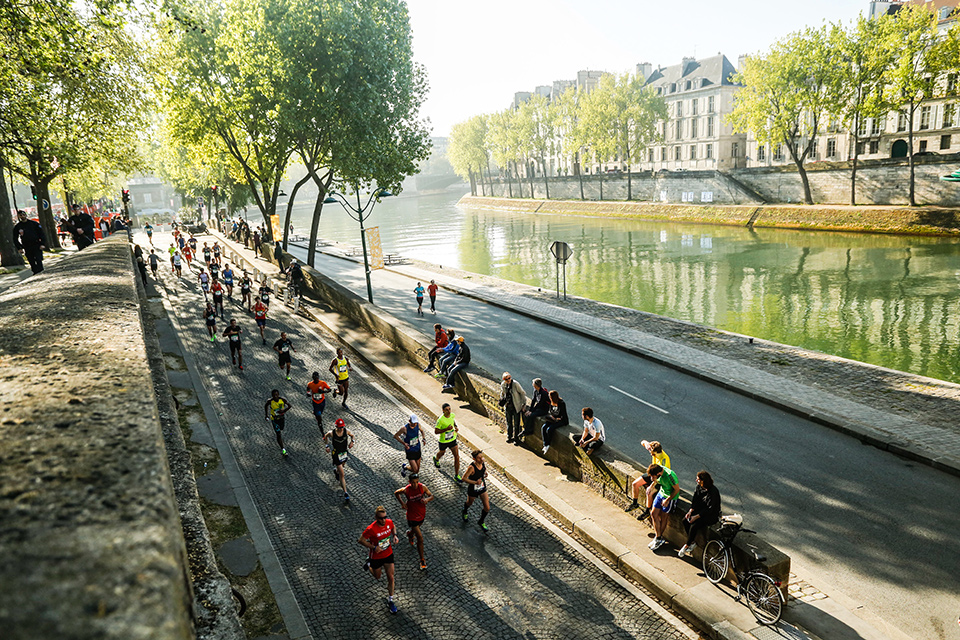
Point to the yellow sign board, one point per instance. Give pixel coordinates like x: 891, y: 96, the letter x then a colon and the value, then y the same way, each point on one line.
x: 376, y: 249
x: 275, y: 227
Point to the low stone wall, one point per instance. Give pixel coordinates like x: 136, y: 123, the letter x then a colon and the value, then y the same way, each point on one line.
x: 91, y: 538
x: 608, y: 472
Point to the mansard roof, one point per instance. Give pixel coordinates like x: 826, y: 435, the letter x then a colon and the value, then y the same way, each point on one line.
x: 715, y: 70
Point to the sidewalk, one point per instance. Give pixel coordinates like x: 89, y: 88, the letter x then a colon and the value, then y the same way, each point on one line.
x: 605, y: 527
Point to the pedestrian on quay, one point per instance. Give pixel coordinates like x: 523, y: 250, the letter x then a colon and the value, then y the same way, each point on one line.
x: 593, y: 435
x: 704, y: 511
x: 275, y: 408
x: 378, y: 538
x: 657, y: 456
x: 512, y: 399
x: 340, y: 368
x: 440, y: 339
x: 556, y: 417
x: 232, y: 333
x: 418, y: 292
x: 476, y: 479
x: 340, y: 441
x: 446, y: 430
x: 29, y: 240
x: 669, y: 487
x: 411, y: 437
x: 278, y: 253
x: 256, y: 242
x: 432, y: 290
x: 317, y: 391
x: 141, y: 263
x: 414, y: 498
x: 283, y: 346
x: 461, y: 362
x: 538, y: 407
x: 82, y: 227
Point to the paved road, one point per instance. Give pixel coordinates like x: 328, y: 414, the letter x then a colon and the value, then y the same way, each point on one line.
x: 519, y: 580
x: 879, y: 528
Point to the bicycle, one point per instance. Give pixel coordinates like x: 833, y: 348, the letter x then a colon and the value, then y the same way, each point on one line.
x: 761, y: 592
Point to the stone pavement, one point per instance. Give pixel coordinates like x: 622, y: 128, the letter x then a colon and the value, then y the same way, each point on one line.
x: 522, y: 579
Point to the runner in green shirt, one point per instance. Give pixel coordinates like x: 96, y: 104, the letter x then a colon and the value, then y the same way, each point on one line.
x: 446, y: 430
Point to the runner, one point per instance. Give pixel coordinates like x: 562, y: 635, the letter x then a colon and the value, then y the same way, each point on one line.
x: 232, y: 332
x: 177, y: 264
x: 338, y: 446
x: 154, y: 263
x: 340, y: 368
x: 283, y: 347
x: 410, y: 437
x: 246, y: 285
x: 149, y: 231
x: 414, y: 502
x: 216, y: 253
x: 207, y: 254
x: 210, y: 315
x: 214, y: 270
x: 446, y: 430
x: 188, y: 254
x: 260, y: 314
x: 172, y: 250
x: 475, y: 477
x: 193, y: 244
x: 419, y: 293
x: 432, y: 290
x: 264, y: 294
x: 377, y: 538
x: 217, y: 290
x: 317, y: 391
x: 275, y: 408
x: 204, y: 280
x: 228, y: 281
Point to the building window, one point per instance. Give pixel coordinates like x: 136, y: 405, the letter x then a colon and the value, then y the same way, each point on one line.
x: 863, y: 128
x: 761, y: 153
x: 951, y: 83
x: 815, y: 148
x: 687, y: 86
x: 710, y: 129
x: 695, y: 106
x: 924, y: 118
x: 861, y: 148
x: 778, y: 152
x: 875, y: 126
x: 831, y: 147
x: 945, y: 141
x: 650, y: 155
x: 734, y: 149
x: 673, y: 87
x: 679, y: 130
x: 948, y: 111
x: 902, y: 121
x: 676, y: 153
x: 663, y: 154
x: 693, y: 127
x: 710, y: 105
x: 680, y: 109
x: 710, y: 151
x: 693, y: 152
x: 923, y: 145
x: 874, y: 147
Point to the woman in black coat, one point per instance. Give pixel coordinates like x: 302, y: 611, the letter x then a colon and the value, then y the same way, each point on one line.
x: 704, y: 511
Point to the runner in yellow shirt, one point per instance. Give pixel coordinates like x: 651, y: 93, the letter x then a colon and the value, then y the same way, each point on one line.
x: 446, y: 430
x: 340, y: 368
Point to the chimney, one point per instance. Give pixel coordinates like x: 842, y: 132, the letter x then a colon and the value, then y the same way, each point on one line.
x: 741, y: 60
x: 644, y: 69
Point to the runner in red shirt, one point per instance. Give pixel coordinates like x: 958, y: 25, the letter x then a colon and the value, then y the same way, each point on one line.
x: 378, y: 538
x: 432, y: 290
x: 260, y: 314
x: 414, y: 498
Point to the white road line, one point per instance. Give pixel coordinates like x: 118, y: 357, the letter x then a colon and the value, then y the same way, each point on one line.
x: 652, y: 406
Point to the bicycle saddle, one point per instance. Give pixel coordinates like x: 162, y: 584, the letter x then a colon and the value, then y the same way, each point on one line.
x: 735, y: 519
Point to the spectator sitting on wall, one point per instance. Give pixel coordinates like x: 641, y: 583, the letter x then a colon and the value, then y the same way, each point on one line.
x: 449, y: 353
x: 593, y: 435
x: 556, y: 417
x: 657, y: 456
x: 459, y: 364
x: 441, y: 340
x: 704, y: 511
x: 539, y: 406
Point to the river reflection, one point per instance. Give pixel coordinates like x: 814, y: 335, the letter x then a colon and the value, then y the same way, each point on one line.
x: 888, y: 300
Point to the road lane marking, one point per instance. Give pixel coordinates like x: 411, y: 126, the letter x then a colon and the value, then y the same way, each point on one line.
x: 652, y: 406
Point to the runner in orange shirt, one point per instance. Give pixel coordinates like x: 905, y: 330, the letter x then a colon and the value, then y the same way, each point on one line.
x: 317, y: 391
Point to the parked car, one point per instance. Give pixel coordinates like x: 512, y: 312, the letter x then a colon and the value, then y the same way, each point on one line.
x: 921, y: 154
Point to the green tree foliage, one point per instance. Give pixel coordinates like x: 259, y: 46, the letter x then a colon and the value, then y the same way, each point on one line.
x: 788, y: 94
x: 565, y: 111
x: 467, y: 149
x: 538, y: 134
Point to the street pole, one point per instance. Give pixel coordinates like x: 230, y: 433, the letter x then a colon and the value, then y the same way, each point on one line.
x: 366, y: 261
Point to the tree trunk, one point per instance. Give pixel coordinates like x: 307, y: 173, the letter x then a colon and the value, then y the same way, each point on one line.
x: 531, y: 176
x: 580, y: 176
x: 324, y: 186
x: 853, y: 170
x: 286, y: 218
x: 601, y: 185
x: 473, y: 182
x: 546, y: 185
x: 509, y: 179
x: 46, y: 215
x: 8, y: 251
x: 913, y: 199
x: 629, y: 184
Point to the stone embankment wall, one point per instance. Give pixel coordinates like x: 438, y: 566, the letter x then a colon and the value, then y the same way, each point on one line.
x: 884, y: 182
x: 608, y: 472
x: 91, y: 537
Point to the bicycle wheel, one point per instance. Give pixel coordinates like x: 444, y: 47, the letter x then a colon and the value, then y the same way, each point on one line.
x: 763, y: 598
x: 715, y: 561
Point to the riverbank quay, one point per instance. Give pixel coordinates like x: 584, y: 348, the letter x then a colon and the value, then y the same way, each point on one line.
x: 92, y: 535
x: 592, y: 516
x: 926, y: 220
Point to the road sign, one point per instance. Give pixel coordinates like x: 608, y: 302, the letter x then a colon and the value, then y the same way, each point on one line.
x: 561, y: 251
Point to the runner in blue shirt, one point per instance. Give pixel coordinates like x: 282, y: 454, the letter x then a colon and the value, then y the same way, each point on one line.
x: 419, y: 291
x: 411, y: 437
x: 228, y: 281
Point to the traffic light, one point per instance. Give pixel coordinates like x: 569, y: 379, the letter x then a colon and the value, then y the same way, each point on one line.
x: 126, y: 196
x: 33, y: 191
x: 214, y: 189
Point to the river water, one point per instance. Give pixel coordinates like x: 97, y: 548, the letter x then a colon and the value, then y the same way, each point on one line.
x: 884, y: 299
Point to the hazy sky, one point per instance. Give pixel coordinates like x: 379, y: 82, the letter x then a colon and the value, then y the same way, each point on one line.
x: 477, y: 54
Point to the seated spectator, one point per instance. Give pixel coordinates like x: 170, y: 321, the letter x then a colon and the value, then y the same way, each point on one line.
x: 449, y: 353
x: 441, y: 340
x: 459, y: 364
x: 538, y: 407
x: 556, y: 417
x: 669, y: 487
x: 704, y: 511
x: 593, y: 435
x: 657, y: 456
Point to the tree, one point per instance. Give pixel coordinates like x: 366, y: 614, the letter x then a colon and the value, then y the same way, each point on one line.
x: 502, y: 144
x: 787, y: 94
x: 538, y: 132
x: 467, y: 150
x: 921, y: 57
x: 566, y: 116
x: 866, y: 53
x: 8, y: 251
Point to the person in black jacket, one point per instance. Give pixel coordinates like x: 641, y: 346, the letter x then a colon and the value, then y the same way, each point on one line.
x: 29, y: 239
x: 556, y: 417
x: 539, y: 406
x: 82, y: 227
x: 460, y: 363
x: 704, y: 511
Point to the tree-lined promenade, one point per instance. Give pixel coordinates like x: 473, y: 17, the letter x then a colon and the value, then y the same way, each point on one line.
x: 847, y: 76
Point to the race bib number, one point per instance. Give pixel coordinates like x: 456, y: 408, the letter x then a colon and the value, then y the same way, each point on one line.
x: 414, y: 441
x: 384, y: 544
x: 234, y: 338
x: 342, y: 457
x: 285, y: 348
x: 318, y: 398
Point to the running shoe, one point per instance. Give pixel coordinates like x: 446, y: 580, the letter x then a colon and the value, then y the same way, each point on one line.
x: 447, y: 387
x: 264, y: 341
x: 241, y: 367
x: 423, y: 566
x: 392, y: 606
x: 428, y: 370
x: 403, y: 470
x: 212, y: 338
x: 654, y: 544
x: 465, y: 516
x: 436, y: 462
x: 413, y: 542
x: 283, y: 451
x: 366, y: 566
x: 288, y: 377
x: 459, y: 478
x: 483, y: 525
x: 346, y: 498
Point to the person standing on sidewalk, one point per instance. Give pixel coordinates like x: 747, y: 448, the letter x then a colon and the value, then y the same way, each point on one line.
x: 29, y: 240
x: 539, y: 406
x: 441, y: 340
x: 657, y: 456
x: 275, y: 408
x: 317, y: 391
x: 340, y: 368
x: 663, y: 503
x: 556, y: 417
x: 82, y: 226
x: 446, y: 430
x: 377, y: 538
x: 461, y: 362
x: 411, y: 437
x: 232, y: 333
x: 704, y: 511
x: 414, y: 498
x: 418, y: 292
x: 476, y: 479
x: 283, y: 346
x: 593, y: 435
x: 512, y: 399
x: 432, y: 290
x: 340, y: 440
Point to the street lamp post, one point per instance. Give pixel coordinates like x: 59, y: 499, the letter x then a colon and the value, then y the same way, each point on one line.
x: 360, y: 213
